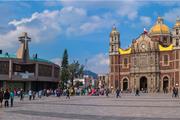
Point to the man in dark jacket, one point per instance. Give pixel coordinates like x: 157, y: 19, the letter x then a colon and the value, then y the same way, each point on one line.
x: 1, y: 96
x: 118, y: 93
x: 6, y: 98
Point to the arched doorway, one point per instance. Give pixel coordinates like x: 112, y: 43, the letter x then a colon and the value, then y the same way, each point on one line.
x: 143, y: 83
x: 165, y: 84
x: 125, y: 84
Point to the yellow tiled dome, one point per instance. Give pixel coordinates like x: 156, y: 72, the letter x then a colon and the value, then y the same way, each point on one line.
x: 159, y: 27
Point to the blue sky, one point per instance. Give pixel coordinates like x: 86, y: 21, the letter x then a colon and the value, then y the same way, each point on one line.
x: 82, y: 27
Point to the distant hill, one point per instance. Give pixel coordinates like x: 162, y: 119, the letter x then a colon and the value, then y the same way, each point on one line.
x: 90, y: 73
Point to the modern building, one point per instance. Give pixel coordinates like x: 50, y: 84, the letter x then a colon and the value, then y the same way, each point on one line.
x: 22, y: 71
x: 151, y: 63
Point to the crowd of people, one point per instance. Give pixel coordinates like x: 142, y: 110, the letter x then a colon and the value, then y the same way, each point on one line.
x: 8, y: 95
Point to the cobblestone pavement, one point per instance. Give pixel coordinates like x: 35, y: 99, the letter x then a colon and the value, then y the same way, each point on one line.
x: 129, y: 107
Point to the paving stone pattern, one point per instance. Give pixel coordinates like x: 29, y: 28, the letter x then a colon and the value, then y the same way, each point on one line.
x: 128, y: 107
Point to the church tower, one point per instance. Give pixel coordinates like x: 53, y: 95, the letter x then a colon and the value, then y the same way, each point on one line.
x: 114, y: 41
x: 114, y: 64
x: 23, y: 51
x: 176, y: 44
x: 176, y: 34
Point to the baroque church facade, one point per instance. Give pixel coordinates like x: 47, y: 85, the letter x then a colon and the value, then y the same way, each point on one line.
x: 151, y: 63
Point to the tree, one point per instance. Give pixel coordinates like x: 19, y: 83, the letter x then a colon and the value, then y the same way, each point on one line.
x: 64, y: 69
x: 75, y: 71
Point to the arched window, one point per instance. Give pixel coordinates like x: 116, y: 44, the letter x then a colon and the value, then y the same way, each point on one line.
x: 165, y: 40
x: 112, y: 39
x: 112, y: 48
x: 135, y: 62
x: 125, y: 62
x: 177, y: 31
x: 166, y: 59
x: 177, y: 42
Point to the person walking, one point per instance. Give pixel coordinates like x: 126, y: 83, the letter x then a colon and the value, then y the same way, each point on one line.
x: 117, y: 93
x: 40, y: 94
x: 12, y: 98
x: 177, y: 93
x: 67, y: 94
x: 21, y: 95
x: 174, y: 92
x: 107, y: 92
x: 1, y: 96
x: 34, y: 95
x: 6, y: 98
x: 30, y: 94
x: 137, y: 92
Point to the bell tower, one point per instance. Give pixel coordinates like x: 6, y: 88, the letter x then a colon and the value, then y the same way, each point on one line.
x: 176, y: 34
x: 176, y: 44
x: 114, y: 41
x: 114, y: 65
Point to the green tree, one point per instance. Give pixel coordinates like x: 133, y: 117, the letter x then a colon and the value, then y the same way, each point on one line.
x: 75, y: 71
x: 64, y: 69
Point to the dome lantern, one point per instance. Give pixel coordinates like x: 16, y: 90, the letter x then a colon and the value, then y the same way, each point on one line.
x: 177, y: 24
x: 114, y: 30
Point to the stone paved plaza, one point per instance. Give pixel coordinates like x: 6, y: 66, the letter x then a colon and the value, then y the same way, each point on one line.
x: 129, y: 107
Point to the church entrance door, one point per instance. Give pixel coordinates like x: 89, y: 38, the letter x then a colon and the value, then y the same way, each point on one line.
x: 125, y: 84
x: 165, y: 84
x: 143, y: 84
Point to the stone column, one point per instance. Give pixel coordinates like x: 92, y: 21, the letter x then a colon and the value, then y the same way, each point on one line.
x: 36, y: 71
x: 53, y: 71
x: 10, y: 69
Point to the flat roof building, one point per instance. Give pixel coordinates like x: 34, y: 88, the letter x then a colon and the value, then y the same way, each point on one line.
x: 22, y: 71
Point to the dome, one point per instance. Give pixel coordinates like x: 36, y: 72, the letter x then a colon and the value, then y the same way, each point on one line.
x: 159, y: 27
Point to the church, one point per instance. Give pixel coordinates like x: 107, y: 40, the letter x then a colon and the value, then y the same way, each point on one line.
x: 151, y: 63
x: 21, y: 71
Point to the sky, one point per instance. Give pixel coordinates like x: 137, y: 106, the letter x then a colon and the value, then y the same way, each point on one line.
x: 80, y: 26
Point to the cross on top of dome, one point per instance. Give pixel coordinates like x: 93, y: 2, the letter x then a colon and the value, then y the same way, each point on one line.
x: 160, y: 20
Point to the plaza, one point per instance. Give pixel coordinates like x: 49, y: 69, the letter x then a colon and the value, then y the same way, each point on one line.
x: 128, y: 107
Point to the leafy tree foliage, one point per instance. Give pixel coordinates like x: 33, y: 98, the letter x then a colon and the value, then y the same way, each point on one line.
x: 75, y: 71
x: 64, y: 69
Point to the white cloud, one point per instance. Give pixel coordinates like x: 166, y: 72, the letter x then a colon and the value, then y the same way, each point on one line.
x: 47, y: 25
x: 145, y: 21
x: 126, y: 8
x: 98, y: 63
x: 56, y: 61
x: 129, y: 9
x: 172, y: 15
